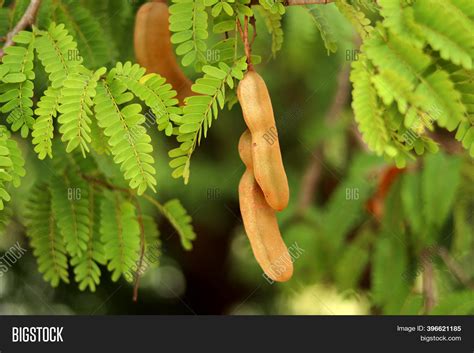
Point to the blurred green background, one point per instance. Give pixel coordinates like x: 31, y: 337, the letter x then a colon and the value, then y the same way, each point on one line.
x: 355, y: 259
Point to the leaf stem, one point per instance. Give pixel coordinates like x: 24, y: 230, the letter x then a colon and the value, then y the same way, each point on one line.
x: 27, y: 19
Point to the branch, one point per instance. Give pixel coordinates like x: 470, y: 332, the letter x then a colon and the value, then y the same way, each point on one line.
x: 27, y: 20
x: 455, y: 269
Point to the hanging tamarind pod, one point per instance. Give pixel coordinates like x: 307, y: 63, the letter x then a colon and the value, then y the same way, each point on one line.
x: 153, y: 49
x: 267, y: 162
x: 260, y: 222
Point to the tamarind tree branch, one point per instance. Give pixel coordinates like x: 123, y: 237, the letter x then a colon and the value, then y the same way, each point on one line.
x: 27, y: 19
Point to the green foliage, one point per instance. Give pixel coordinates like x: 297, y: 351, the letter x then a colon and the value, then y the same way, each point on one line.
x: 357, y: 18
x: 319, y: 16
x: 446, y: 29
x: 86, y: 265
x: 200, y: 111
x: 274, y: 6
x: 120, y: 233
x: 181, y: 221
x: 409, y: 57
x: 188, y: 22
x: 11, y: 165
x: 93, y: 43
x: 17, y: 88
x: 153, y: 90
x: 220, y: 5
x: 75, y: 107
x: 46, y: 240
x: 54, y: 48
x: 273, y: 25
x: 439, y: 194
x: 413, y: 77
x: 368, y: 112
x: 43, y: 129
x: 458, y: 303
x: 390, y: 250
x: 78, y: 217
x: 129, y: 142
x: 71, y: 211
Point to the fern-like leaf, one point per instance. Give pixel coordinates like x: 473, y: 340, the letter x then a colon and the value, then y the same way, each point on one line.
x: 274, y: 6
x: 368, y: 113
x: 17, y: 66
x: 46, y: 240
x: 120, y: 234
x: 58, y: 53
x: 324, y: 27
x: 71, y: 207
x: 86, y: 266
x: 153, y: 90
x: 93, y: 43
x: 128, y: 140
x: 447, y: 29
x: 43, y: 129
x: 188, y: 21
x: 200, y: 111
x: 75, y: 108
x: 399, y: 18
x: 356, y: 17
x: 464, y: 84
x: 176, y: 214
x: 273, y: 24
x: 11, y: 165
x: 405, y: 77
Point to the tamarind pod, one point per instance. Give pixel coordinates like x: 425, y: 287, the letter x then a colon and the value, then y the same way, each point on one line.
x: 260, y: 221
x: 267, y: 162
x: 153, y: 49
x: 262, y: 230
x: 245, y: 149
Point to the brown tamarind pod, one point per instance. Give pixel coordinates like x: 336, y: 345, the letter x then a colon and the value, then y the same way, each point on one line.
x: 260, y: 222
x: 267, y: 162
x: 153, y: 49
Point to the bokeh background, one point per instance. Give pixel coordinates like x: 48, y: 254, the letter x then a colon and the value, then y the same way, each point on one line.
x: 372, y: 240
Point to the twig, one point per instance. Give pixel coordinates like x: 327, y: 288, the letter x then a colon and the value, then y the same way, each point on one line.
x: 455, y: 269
x: 27, y: 20
x: 142, y: 249
x: 109, y: 186
x: 105, y: 184
x: 254, y: 26
x: 429, y: 284
x: 244, y: 34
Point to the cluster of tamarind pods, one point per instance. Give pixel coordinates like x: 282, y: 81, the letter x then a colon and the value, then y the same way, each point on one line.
x: 263, y: 188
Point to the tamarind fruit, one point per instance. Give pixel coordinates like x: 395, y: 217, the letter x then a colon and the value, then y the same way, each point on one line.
x: 267, y: 162
x: 260, y: 222
x: 153, y: 49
